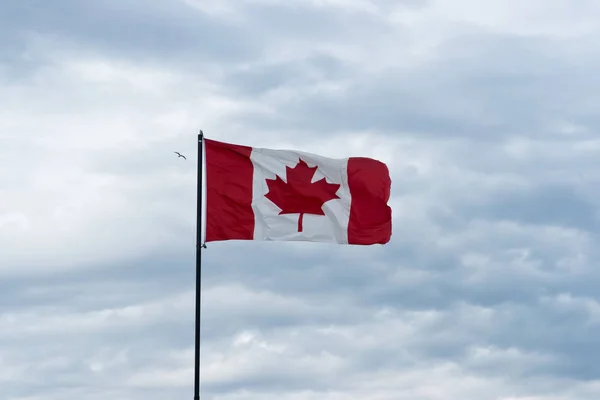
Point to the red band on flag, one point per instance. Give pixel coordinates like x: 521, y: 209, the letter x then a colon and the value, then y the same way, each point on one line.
x: 370, y: 216
x: 228, y: 192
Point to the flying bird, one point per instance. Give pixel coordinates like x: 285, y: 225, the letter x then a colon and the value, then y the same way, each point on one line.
x: 180, y: 155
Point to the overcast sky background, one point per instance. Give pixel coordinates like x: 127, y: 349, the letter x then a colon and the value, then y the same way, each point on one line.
x: 485, y: 111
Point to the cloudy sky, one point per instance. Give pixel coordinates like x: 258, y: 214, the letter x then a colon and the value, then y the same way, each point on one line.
x: 485, y: 111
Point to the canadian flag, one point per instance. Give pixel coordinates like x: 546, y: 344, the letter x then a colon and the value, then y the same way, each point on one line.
x: 285, y: 195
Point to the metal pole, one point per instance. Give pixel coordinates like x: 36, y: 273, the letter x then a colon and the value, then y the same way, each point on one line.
x: 199, y: 246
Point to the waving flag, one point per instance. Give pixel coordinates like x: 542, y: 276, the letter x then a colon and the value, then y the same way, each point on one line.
x: 287, y: 195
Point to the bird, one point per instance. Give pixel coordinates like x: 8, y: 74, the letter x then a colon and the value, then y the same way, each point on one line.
x: 180, y: 155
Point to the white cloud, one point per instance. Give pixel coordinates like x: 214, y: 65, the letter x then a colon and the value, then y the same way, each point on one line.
x: 485, y: 115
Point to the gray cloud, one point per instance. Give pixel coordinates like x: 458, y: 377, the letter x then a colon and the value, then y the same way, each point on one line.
x: 488, y: 289
x: 133, y: 29
x: 528, y: 87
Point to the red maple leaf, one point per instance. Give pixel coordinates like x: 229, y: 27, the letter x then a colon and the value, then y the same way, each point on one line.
x: 299, y: 195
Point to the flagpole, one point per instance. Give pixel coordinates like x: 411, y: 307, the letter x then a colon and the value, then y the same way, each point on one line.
x: 199, y: 246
